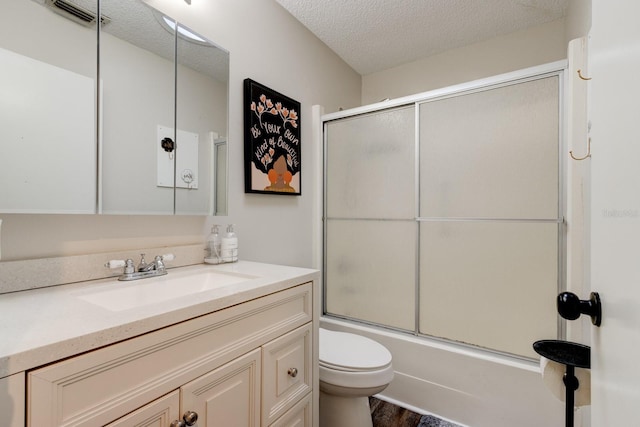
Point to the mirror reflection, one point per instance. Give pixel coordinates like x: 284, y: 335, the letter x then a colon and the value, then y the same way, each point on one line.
x: 162, y: 114
x: 142, y: 107
x: 201, y: 117
x: 47, y: 111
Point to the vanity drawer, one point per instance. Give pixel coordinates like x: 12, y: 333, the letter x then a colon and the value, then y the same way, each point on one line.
x: 286, y: 372
x: 103, y: 385
x: 301, y: 415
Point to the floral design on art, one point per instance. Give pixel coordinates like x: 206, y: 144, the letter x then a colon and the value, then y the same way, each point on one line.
x: 265, y: 105
x: 288, y: 116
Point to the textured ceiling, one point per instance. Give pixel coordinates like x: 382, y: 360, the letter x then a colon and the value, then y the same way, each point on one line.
x: 373, y: 35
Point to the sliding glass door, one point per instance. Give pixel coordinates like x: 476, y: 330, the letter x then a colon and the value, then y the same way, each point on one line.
x: 443, y: 217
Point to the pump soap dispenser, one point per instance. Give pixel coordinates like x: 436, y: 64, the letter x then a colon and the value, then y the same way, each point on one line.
x: 213, y: 248
x: 229, y: 246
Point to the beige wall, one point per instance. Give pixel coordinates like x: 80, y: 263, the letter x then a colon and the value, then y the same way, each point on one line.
x: 522, y: 49
x: 269, y: 46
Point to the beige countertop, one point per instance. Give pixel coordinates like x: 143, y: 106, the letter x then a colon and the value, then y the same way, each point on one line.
x: 41, y: 326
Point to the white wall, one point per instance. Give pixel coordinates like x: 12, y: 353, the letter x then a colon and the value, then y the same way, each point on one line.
x: 269, y: 46
x: 515, y: 51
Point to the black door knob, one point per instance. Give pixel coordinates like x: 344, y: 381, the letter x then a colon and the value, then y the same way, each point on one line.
x: 571, y: 307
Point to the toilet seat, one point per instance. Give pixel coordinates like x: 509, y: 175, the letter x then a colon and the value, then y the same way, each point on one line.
x: 351, y: 353
x: 353, y: 361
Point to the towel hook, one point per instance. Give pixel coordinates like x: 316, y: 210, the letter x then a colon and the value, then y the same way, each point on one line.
x: 583, y: 77
x: 588, y: 152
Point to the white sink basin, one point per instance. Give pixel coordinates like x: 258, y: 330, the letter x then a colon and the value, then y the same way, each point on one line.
x: 138, y: 293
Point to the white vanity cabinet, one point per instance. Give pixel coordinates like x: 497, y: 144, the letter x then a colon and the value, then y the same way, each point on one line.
x: 247, y: 365
x: 159, y: 413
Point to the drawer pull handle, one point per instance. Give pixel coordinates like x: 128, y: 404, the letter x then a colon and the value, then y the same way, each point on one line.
x: 190, y: 418
x: 293, y: 372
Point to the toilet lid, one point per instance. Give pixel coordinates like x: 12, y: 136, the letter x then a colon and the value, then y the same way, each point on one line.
x: 350, y: 352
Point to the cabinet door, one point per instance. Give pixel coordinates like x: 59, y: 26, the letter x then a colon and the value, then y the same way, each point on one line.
x: 228, y: 396
x: 159, y: 413
x: 287, y: 372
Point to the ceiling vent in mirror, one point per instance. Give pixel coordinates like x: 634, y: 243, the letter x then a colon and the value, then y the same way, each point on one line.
x: 75, y: 12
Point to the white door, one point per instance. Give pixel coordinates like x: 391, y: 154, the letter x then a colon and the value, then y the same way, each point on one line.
x: 614, y: 103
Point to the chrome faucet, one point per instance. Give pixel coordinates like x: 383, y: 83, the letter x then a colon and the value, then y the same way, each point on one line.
x: 144, y: 269
x: 156, y: 264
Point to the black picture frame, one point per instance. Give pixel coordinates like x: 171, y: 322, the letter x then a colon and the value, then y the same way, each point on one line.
x: 271, y: 141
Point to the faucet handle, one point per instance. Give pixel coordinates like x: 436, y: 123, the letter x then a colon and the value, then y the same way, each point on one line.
x: 119, y: 263
x: 128, y: 268
x: 143, y: 263
x: 115, y: 263
x: 159, y: 264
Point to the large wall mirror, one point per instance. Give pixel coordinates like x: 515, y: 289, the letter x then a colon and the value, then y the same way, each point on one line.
x: 150, y: 140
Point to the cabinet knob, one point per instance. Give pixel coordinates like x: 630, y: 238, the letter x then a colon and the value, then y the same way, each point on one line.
x: 177, y: 423
x: 293, y: 372
x: 190, y: 418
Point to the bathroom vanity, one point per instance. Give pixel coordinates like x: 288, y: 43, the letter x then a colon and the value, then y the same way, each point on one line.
x: 238, y: 349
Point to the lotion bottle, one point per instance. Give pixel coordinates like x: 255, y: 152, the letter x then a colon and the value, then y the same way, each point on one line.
x: 213, y: 247
x: 229, y: 246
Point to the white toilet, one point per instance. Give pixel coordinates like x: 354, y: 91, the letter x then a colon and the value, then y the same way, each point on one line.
x: 352, y: 368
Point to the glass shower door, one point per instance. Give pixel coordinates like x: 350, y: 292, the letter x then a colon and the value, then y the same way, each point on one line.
x: 450, y: 227
x: 490, y: 216
x: 370, y: 228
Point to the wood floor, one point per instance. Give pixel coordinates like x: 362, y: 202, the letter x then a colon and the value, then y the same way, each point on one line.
x: 385, y: 414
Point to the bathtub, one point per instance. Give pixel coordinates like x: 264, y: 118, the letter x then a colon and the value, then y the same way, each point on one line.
x: 467, y: 386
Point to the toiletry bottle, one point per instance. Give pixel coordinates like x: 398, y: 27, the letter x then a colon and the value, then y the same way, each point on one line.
x: 230, y: 246
x: 213, y: 247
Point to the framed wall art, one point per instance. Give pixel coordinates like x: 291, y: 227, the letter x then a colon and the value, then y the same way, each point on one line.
x: 271, y: 141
